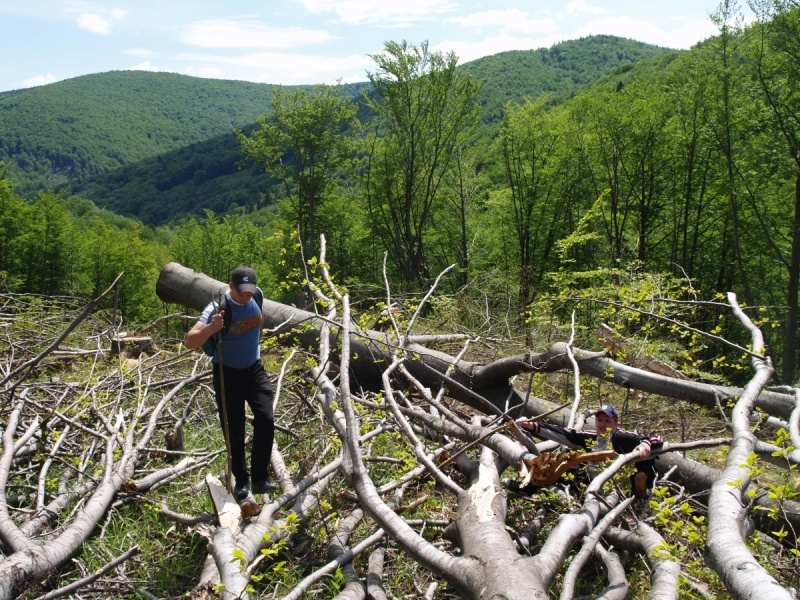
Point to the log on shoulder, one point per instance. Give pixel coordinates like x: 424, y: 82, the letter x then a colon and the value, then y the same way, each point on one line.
x: 486, y: 388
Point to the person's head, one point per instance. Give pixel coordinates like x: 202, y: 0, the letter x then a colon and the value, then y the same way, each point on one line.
x: 243, y: 284
x: 606, y: 418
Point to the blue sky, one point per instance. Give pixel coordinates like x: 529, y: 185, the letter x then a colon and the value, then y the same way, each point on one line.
x: 294, y: 42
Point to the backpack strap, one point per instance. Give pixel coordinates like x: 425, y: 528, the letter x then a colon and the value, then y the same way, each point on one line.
x: 259, y: 298
x: 210, y: 345
x: 226, y: 316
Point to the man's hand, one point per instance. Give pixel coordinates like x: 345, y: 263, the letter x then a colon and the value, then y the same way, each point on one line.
x: 198, y: 334
x: 217, y: 322
x: 532, y: 426
x: 643, y: 450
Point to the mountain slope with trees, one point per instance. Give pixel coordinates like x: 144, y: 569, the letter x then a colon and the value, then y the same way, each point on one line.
x: 206, y: 175
x: 558, y: 71
x: 92, y: 124
x: 143, y: 144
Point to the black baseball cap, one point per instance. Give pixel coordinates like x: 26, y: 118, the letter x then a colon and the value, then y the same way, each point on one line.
x: 244, y: 279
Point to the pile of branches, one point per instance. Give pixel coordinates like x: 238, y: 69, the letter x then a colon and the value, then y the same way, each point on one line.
x: 390, y: 459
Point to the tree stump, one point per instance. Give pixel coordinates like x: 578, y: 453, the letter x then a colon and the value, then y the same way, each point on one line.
x: 131, y: 346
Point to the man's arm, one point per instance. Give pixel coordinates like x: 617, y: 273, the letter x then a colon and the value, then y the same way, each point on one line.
x: 629, y: 441
x: 566, y: 437
x: 197, y: 335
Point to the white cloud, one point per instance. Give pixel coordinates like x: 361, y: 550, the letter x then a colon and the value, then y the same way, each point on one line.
x: 644, y: 31
x: 469, y: 51
x: 688, y: 35
x: 249, y: 34
x: 284, y: 68
x: 580, y: 6
x: 99, y: 24
x: 147, y: 66
x: 511, y: 19
x: 39, y: 80
x: 380, y: 12
x: 208, y: 72
x: 94, y: 24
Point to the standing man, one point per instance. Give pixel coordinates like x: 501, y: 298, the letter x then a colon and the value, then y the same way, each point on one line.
x: 608, y: 433
x: 240, y: 377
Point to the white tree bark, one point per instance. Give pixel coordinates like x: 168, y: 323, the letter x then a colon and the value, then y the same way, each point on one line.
x: 646, y: 541
x: 727, y: 506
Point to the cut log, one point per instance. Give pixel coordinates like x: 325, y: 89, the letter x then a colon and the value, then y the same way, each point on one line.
x: 372, y: 351
x: 228, y: 511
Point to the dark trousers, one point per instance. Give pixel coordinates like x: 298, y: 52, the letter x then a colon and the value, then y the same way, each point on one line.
x: 251, y: 385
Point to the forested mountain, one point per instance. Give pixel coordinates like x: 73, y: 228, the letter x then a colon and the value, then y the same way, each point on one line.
x: 157, y: 146
x: 88, y: 125
x: 92, y: 124
x: 206, y: 175
x: 559, y: 70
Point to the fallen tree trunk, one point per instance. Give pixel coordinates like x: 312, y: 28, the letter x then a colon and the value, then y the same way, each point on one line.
x: 468, y: 382
x: 726, y: 548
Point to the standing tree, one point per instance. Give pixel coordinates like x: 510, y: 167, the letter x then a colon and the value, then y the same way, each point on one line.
x: 777, y: 69
x: 425, y: 111
x: 462, y: 187
x: 11, y: 211
x: 724, y: 125
x: 47, y: 247
x: 693, y: 208
x: 621, y: 136
x: 528, y: 143
x: 304, y: 142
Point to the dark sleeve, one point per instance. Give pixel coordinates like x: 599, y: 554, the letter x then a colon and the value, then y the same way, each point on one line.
x: 571, y: 438
x: 625, y: 441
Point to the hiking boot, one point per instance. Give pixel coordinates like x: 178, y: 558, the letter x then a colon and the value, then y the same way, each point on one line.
x: 263, y: 486
x: 640, y: 487
x: 249, y: 507
x: 240, y: 491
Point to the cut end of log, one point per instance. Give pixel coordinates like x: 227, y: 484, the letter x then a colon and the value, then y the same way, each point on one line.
x: 228, y: 512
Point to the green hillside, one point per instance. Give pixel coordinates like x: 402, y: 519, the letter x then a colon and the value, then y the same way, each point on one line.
x: 157, y: 146
x: 558, y: 70
x: 96, y: 123
x: 185, y: 181
x: 163, y: 190
x: 678, y: 165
